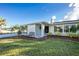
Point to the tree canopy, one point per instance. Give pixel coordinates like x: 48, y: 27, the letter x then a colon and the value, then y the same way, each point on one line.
x: 2, y: 21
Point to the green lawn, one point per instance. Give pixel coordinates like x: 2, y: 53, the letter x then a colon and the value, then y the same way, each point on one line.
x: 20, y: 47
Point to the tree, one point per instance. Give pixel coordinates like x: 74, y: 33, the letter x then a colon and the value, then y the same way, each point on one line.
x: 12, y: 29
x: 23, y: 27
x: 73, y: 28
x: 2, y: 22
x: 19, y: 32
x: 55, y: 28
x: 67, y: 29
x: 16, y: 27
x: 77, y: 27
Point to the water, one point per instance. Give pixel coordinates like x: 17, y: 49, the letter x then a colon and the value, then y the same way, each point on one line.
x: 10, y: 35
x: 7, y: 35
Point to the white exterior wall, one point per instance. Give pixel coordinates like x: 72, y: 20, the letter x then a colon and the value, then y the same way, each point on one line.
x: 51, y: 29
x: 42, y: 30
x: 30, y: 28
x: 38, y: 31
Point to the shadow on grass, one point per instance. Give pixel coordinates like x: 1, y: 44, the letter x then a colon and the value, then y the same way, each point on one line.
x: 40, y: 48
x: 16, y: 48
x: 54, y: 48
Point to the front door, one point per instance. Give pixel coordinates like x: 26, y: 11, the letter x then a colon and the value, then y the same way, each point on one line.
x: 46, y: 30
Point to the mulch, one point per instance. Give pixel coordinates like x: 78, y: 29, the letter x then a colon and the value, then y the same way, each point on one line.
x: 44, y: 38
x: 64, y: 37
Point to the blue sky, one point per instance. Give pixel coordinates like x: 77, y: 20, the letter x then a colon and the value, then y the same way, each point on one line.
x: 23, y: 13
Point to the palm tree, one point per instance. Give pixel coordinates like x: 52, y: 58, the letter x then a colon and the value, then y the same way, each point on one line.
x: 12, y: 29
x: 2, y: 22
x: 15, y: 28
x: 23, y: 27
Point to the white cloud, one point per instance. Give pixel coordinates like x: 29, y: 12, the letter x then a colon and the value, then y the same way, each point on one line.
x: 71, y: 4
x: 65, y: 17
x: 74, y: 13
x: 76, y: 5
x: 53, y: 17
x: 60, y: 20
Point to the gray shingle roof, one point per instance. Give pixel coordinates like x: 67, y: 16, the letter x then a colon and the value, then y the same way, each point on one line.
x: 67, y: 22
x: 57, y: 23
x: 46, y: 23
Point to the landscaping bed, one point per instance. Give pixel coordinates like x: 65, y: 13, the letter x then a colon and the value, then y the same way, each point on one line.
x: 44, y: 38
x: 64, y: 37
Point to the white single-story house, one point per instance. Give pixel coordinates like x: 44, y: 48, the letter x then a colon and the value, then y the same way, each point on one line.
x: 40, y: 29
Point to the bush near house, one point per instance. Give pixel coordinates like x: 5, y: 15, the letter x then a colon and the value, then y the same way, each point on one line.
x: 73, y: 35
x: 49, y: 34
x: 58, y: 33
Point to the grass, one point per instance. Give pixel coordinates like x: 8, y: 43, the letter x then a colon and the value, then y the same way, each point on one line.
x: 56, y: 47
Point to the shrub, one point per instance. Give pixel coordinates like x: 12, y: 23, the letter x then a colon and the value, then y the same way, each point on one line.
x: 73, y: 35
x: 58, y: 33
x: 49, y: 34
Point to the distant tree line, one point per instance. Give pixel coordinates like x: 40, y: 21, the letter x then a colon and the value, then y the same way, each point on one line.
x: 19, y: 27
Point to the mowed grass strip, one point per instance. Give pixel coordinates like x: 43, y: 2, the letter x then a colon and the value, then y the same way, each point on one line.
x: 56, y: 47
